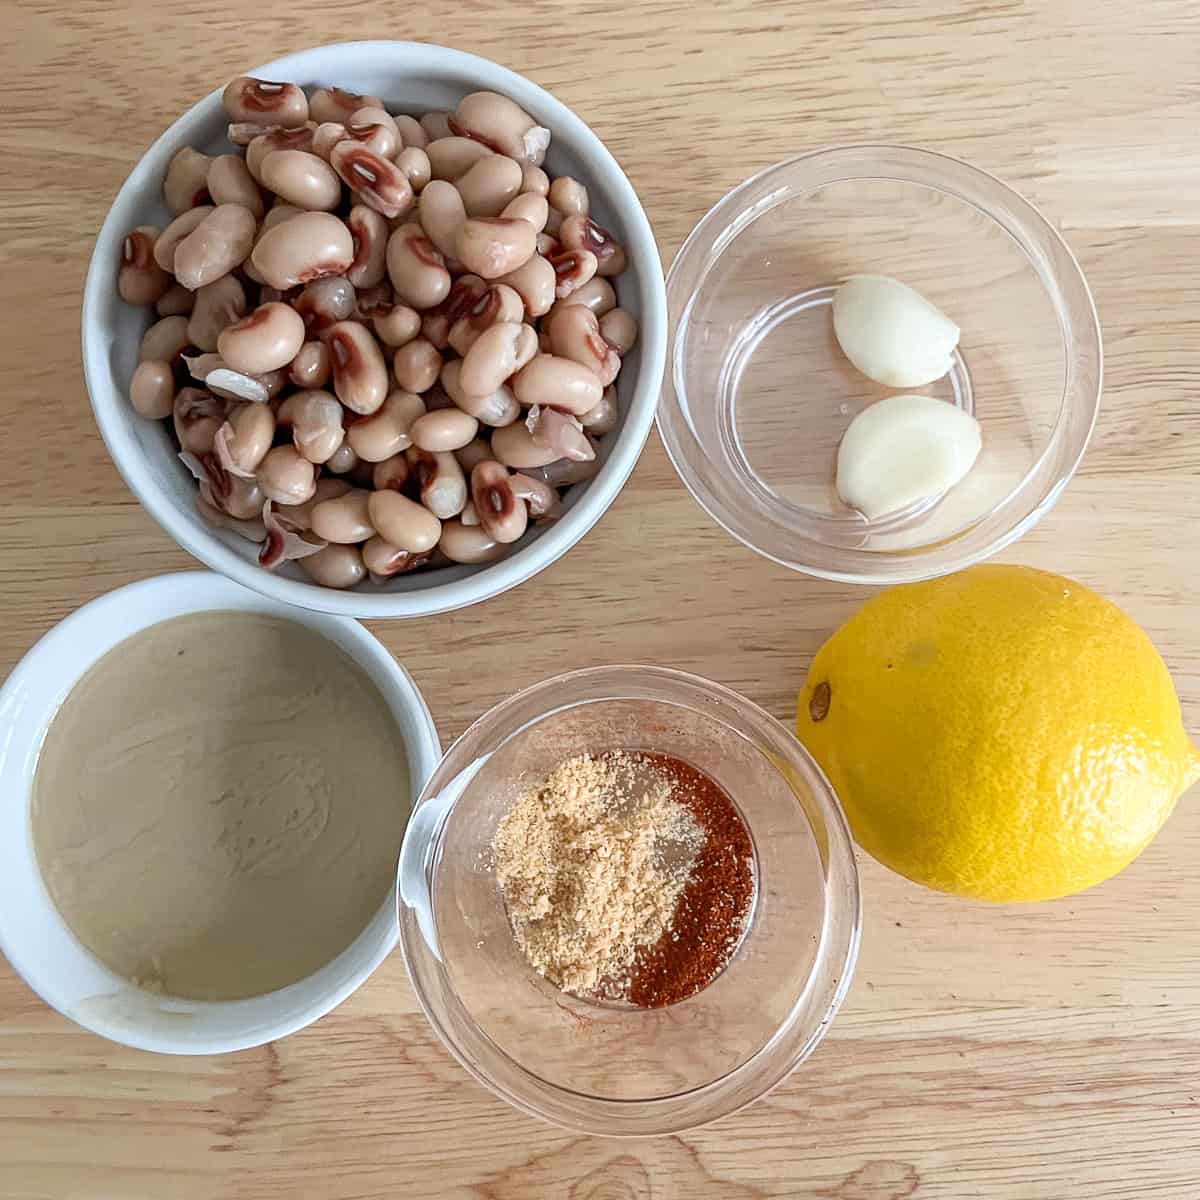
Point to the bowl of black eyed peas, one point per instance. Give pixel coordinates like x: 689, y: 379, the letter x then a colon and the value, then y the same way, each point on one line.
x: 377, y: 329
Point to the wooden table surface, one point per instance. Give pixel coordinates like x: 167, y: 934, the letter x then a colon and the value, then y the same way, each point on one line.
x: 1038, y: 1053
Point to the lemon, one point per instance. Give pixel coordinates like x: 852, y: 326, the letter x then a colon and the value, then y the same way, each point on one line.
x: 1001, y: 733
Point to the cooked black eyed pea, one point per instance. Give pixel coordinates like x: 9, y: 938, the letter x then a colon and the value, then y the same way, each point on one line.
x: 220, y: 242
x: 264, y: 102
x: 265, y: 340
x: 141, y: 279
x: 152, y: 390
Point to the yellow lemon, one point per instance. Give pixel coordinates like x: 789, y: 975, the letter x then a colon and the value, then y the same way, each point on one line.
x: 1001, y: 733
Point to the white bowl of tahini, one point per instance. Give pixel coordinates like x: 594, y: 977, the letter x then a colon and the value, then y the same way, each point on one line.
x: 126, y: 918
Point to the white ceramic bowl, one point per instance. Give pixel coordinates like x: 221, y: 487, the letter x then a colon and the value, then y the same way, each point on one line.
x: 407, y: 76
x: 34, y: 937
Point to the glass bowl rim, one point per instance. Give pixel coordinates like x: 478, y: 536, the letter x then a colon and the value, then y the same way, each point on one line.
x: 1066, y: 288
x: 791, y: 1043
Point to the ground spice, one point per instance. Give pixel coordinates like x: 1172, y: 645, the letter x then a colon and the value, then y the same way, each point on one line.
x: 592, y: 863
x: 711, y: 914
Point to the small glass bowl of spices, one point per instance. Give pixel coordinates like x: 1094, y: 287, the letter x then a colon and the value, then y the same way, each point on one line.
x: 628, y: 901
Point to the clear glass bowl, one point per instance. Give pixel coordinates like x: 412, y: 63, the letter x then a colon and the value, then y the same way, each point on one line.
x: 758, y: 394
x: 615, y: 1069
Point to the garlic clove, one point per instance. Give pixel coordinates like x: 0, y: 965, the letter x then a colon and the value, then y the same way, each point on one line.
x: 904, y: 449
x: 891, y: 333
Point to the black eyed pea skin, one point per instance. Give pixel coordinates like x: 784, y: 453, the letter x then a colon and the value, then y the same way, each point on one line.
x: 342, y: 461
x: 579, y: 232
x: 473, y: 453
x: 315, y: 419
x: 436, y: 125
x: 452, y: 157
x: 370, y: 232
x: 337, y: 104
x: 416, y: 365
x: 387, y: 432
x: 217, y: 305
x: 176, y: 301
x: 375, y: 181
x: 197, y: 415
x: 375, y: 129
x: 391, y: 474
x: 326, y: 136
x: 185, y: 184
x: 496, y: 354
x: 619, y: 329
x: 403, y: 523
x: 344, y: 519
x: 335, y: 567
x: 210, y: 514
x: 549, y: 379
x: 469, y: 543
x: 411, y: 132
x: 265, y: 102
x: 535, y: 282
x: 603, y: 418
x: 597, y: 294
x: 436, y: 322
x: 415, y: 164
x: 243, y: 441
x: 165, y: 341
x: 241, y: 499
x: 502, y: 514
x: 167, y: 242
x: 396, y: 325
x: 272, y: 140
x: 572, y: 270
x: 152, y: 390
x: 499, y: 303
x: 541, y: 499
x: 265, y: 340
x: 302, y: 179
x: 299, y: 516
x: 221, y: 242
x: 229, y: 182
x: 534, y: 180
x: 560, y: 432
x: 530, y: 207
x: 325, y: 302
x: 441, y: 213
x: 360, y: 374
x: 303, y: 247
x: 513, y: 445
x: 285, y: 476
x: 383, y: 560
x: 445, y: 429
x: 491, y: 247
x: 488, y: 186
x: 416, y: 267
x: 565, y: 471
x: 575, y: 333
x: 440, y: 481
x: 502, y: 124
x: 495, y: 410
x: 311, y: 367
x: 568, y: 196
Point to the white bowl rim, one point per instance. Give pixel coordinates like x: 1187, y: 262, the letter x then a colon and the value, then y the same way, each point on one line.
x: 73, y: 631
x: 497, y: 577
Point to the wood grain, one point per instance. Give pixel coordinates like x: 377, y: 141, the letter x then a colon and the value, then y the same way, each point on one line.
x: 995, y: 1053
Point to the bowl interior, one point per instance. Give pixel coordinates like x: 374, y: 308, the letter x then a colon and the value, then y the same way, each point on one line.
x: 409, y: 78
x: 607, y: 1066
x: 764, y: 393
x: 34, y: 936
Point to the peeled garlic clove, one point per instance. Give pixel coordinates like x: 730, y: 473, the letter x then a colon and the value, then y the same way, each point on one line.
x: 903, y: 449
x: 891, y: 333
